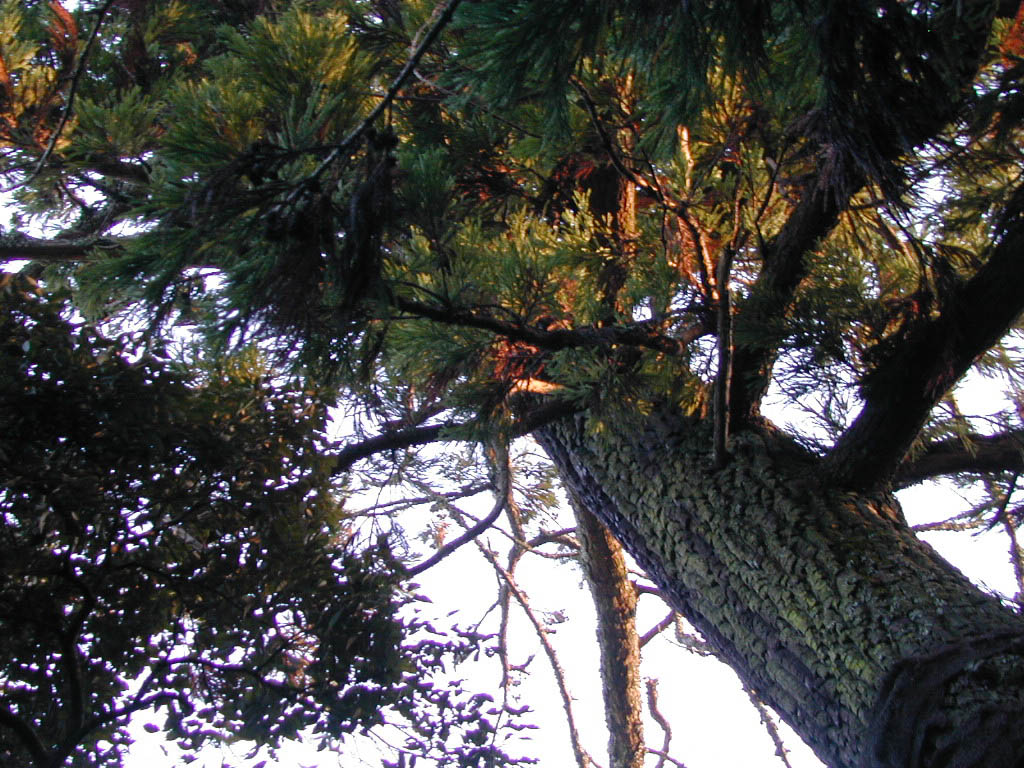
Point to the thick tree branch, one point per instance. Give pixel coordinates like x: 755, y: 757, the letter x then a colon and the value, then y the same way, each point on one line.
x: 960, y: 33
x: 51, y: 251
x: 604, y: 566
x: 931, y: 358
x: 642, y: 334
x: 396, y: 440
x: 973, y: 453
x: 388, y: 441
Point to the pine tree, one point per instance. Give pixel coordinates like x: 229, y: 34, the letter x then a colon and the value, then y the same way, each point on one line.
x: 619, y: 228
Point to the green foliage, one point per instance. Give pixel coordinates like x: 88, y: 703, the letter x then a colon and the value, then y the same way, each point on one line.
x: 172, y: 540
x: 535, y: 217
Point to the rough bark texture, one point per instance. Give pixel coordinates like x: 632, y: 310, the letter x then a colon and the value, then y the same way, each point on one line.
x: 604, y: 564
x: 875, y: 649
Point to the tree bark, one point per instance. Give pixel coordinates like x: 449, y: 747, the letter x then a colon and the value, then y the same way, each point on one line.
x: 604, y: 564
x: 876, y: 650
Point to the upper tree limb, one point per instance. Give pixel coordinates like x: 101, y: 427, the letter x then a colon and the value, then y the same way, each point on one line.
x: 1003, y: 452
x: 930, y: 359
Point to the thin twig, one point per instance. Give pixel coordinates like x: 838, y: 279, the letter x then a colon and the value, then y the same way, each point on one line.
x: 661, y: 720
x: 583, y: 760
x: 661, y: 754
x: 723, y: 381
x: 770, y: 726
x: 466, y: 491
x: 1015, y: 559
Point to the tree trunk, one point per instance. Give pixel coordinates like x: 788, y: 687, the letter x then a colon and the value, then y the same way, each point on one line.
x: 604, y: 564
x: 876, y: 650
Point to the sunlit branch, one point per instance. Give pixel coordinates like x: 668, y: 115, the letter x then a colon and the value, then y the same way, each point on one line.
x: 965, y: 521
x: 663, y: 723
x: 603, y: 562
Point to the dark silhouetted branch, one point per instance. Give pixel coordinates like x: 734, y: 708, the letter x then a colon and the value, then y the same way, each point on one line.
x: 970, y: 454
x: 51, y: 251
x: 25, y: 733
x: 637, y: 334
x: 930, y: 359
x: 501, y: 496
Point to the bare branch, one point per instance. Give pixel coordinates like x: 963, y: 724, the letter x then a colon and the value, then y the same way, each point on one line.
x: 399, y: 504
x: 657, y: 629
x: 970, y: 453
x: 501, y: 496
x: 662, y: 721
x: 770, y: 726
x: 583, y: 760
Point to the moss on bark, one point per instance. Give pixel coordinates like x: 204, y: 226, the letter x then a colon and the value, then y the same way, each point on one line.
x: 813, y: 595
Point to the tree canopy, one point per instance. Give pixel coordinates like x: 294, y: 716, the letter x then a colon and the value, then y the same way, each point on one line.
x: 622, y: 228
